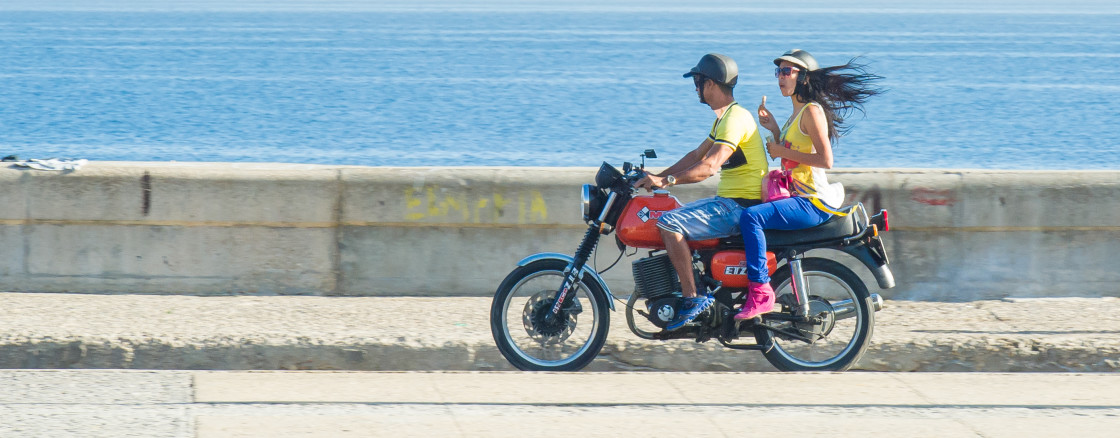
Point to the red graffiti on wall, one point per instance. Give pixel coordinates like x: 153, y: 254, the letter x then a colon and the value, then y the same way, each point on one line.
x: 871, y: 198
x: 930, y: 196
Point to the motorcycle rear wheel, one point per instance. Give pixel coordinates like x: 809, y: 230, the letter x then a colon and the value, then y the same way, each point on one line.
x: 530, y: 344
x: 840, y: 297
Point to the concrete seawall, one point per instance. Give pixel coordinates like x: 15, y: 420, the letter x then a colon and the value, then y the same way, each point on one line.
x: 226, y: 228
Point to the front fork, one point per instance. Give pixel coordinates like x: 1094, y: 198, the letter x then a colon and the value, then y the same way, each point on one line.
x: 573, y: 273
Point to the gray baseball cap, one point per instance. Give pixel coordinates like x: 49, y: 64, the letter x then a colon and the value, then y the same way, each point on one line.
x: 719, y: 68
x: 800, y: 58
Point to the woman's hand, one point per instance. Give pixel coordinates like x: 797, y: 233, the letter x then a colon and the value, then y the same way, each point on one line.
x: 772, y: 146
x: 765, y: 118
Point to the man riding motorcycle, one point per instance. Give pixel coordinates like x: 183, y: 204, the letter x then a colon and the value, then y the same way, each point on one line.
x: 734, y: 148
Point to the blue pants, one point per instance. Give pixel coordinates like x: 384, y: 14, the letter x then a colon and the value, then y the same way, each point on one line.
x: 792, y: 213
x: 708, y: 218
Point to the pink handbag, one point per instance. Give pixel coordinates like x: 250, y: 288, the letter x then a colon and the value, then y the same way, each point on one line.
x: 776, y: 185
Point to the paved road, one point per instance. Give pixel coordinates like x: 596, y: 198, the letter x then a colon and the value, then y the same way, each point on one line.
x: 440, y: 334
x: 121, y: 403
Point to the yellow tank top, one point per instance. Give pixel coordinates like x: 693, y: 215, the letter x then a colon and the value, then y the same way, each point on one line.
x: 808, y: 181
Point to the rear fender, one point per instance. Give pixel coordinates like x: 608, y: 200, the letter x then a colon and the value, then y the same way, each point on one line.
x: 877, y: 264
x: 587, y: 271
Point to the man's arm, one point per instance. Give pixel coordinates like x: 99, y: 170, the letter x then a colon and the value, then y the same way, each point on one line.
x: 688, y: 160
x: 714, y: 155
x: 708, y: 166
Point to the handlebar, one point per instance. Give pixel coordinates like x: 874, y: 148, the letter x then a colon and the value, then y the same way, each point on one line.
x: 609, y: 177
x: 632, y: 174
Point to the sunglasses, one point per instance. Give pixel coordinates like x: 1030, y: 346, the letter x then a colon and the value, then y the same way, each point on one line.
x: 785, y: 71
x: 698, y: 80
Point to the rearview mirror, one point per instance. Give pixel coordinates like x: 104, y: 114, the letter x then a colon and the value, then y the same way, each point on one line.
x: 649, y: 153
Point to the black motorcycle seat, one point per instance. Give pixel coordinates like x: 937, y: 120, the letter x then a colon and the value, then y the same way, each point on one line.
x: 834, y: 228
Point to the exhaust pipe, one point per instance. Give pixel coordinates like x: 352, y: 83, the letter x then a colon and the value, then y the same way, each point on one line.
x: 847, y: 309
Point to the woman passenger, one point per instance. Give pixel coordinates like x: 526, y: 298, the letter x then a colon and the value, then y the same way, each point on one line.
x: 821, y: 98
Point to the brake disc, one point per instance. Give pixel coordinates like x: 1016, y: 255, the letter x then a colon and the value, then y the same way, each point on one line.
x: 533, y: 317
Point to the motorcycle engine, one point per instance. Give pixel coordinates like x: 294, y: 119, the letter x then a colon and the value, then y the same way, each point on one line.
x: 656, y: 281
x: 663, y: 310
x: 655, y: 278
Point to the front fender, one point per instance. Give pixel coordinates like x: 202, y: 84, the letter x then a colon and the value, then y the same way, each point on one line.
x: 569, y: 259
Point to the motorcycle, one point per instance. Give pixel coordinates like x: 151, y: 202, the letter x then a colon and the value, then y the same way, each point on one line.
x: 551, y: 312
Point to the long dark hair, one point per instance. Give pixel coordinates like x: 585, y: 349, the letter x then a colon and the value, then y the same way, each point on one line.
x: 839, y: 90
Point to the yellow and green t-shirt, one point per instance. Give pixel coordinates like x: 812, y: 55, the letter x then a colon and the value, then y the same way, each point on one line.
x: 737, y: 130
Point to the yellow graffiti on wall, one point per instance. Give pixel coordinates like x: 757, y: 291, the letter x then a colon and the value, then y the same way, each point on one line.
x: 433, y: 202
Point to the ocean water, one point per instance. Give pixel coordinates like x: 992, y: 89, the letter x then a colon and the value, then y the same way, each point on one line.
x: 1003, y: 85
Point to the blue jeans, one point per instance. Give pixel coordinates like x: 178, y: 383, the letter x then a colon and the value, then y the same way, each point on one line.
x: 708, y: 218
x: 793, y: 213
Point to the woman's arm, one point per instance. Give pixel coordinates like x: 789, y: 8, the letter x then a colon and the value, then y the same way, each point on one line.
x: 815, y: 124
x: 766, y: 120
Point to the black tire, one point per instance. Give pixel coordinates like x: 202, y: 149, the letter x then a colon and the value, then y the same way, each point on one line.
x: 782, y: 354
x: 511, y: 316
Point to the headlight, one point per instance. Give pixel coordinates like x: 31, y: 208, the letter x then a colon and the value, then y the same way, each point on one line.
x: 585, y: 201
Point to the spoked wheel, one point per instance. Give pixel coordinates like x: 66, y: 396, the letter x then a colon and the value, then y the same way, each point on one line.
x: 533, y: 343
x: 842, y: 326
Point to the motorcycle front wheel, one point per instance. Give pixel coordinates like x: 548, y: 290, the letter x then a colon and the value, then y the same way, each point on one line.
x: 532, y: 343
x: 839, y: 301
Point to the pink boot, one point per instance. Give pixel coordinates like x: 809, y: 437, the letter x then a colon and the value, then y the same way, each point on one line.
x: 760, y: 299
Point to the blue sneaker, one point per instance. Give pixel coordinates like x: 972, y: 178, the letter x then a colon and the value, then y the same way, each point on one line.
x: 690, y: 309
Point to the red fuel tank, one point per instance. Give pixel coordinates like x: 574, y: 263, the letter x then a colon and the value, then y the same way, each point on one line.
x: 637, y: 226
x: 730, y: 267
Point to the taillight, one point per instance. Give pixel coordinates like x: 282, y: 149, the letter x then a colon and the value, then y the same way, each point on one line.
x: 880, y: 221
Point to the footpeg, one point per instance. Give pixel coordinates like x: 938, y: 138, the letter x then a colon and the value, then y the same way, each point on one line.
x: 730, y: 328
